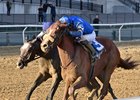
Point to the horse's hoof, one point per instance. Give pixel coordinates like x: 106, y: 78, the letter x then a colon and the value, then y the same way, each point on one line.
x: 48, y: 98
x: 89, y: 98
x: 101, y: 97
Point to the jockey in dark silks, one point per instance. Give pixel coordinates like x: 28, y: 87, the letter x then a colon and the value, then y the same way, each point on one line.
x: 84, y: 31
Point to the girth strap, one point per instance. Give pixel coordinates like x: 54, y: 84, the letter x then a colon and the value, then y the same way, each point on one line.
x: 83, y: 44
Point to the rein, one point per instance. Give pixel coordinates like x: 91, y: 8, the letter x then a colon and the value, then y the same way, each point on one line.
x: 56, y: 38
x: 67, y: 64
x: 74, y: 52
x: 27, y: 59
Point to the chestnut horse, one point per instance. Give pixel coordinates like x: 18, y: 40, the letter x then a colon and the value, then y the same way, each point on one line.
x: 76, y: 64
x: 49, y: 65
x: 28, y: 53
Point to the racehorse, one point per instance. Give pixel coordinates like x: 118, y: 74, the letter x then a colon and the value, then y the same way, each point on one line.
x: 49, y: 65
x: 30, y: 51
x: 76, y: 62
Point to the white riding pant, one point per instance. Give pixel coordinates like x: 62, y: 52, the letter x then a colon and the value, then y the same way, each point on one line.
x: 91, y: 38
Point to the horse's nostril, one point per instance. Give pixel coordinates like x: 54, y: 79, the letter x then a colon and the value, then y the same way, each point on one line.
x: 18, y: 64
x: 45, y: 45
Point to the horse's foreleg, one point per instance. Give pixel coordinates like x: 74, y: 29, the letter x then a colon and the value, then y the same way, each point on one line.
x: 55, y: 82
x: 40, y: 78
x: 80, y: 82
x: 67, y: 84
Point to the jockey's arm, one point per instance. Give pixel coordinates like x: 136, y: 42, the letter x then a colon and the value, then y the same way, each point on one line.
x: 79, y: 31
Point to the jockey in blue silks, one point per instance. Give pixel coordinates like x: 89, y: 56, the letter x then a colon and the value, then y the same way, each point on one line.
x: 84, y: 31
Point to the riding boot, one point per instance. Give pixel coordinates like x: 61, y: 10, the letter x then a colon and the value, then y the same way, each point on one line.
x: 91, y: 49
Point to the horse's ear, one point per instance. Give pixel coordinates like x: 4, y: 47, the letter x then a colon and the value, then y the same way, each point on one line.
x: 33, y: 37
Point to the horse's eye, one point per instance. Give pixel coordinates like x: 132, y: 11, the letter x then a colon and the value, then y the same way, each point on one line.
x: 49, y: 42
x: 30, y: 49
x: 57, y: 28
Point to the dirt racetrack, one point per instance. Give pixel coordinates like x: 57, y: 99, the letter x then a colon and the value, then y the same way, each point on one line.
x: 15, y: 83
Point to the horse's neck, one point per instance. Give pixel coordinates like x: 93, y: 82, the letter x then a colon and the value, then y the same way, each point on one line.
x: 66, y: 50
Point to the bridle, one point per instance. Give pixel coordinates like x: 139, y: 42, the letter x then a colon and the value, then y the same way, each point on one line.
x: 56, y: 41
x: 29, y: 56
x: 57, y: 37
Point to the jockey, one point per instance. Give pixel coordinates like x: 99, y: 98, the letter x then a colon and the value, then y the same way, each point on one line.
x: 84, y: 31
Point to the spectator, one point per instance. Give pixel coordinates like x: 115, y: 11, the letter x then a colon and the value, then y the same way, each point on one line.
x: 53, y: 12
x: 8, y: 5
x: 40, y: 14
x: 45, y: 6
x: 96, y: 21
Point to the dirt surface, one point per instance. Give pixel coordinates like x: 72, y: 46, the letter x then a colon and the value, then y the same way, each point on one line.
x: 15, y: 83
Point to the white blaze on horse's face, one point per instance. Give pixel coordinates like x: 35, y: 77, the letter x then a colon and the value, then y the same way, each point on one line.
x: 25, y: 46
x: 24, y: 50
x: 23, y: 54
x: 49, y: 37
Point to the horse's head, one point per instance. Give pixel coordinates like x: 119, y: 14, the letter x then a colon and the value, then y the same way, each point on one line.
x: 53, y: 36
x: 27, y: 52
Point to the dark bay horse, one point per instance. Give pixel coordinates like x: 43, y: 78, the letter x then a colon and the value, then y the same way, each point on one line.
x: 76, y: 62
x: 49, y: 65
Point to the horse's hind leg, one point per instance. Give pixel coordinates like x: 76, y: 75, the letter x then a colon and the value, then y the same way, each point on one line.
x: 101, y: 78
x: 107, y: 75
x: 111, y: 92
x: 40, y: 78
x: 95, y: 87
x: 56, y: 80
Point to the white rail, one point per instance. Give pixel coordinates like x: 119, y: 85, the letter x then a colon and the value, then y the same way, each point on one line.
x: 24, y: 26
x: 120, y: 25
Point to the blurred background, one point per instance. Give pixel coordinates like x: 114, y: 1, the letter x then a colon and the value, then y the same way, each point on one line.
x: 112, y: 16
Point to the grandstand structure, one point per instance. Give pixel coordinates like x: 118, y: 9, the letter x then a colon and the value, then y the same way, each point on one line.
x: 119, y: 19
x: 110, y: 11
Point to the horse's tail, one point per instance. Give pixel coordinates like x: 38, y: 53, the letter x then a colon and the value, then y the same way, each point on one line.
x: 127, y: 64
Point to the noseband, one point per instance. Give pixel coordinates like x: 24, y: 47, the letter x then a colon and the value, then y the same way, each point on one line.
x: 57, y: 37
x: 28, y: 57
